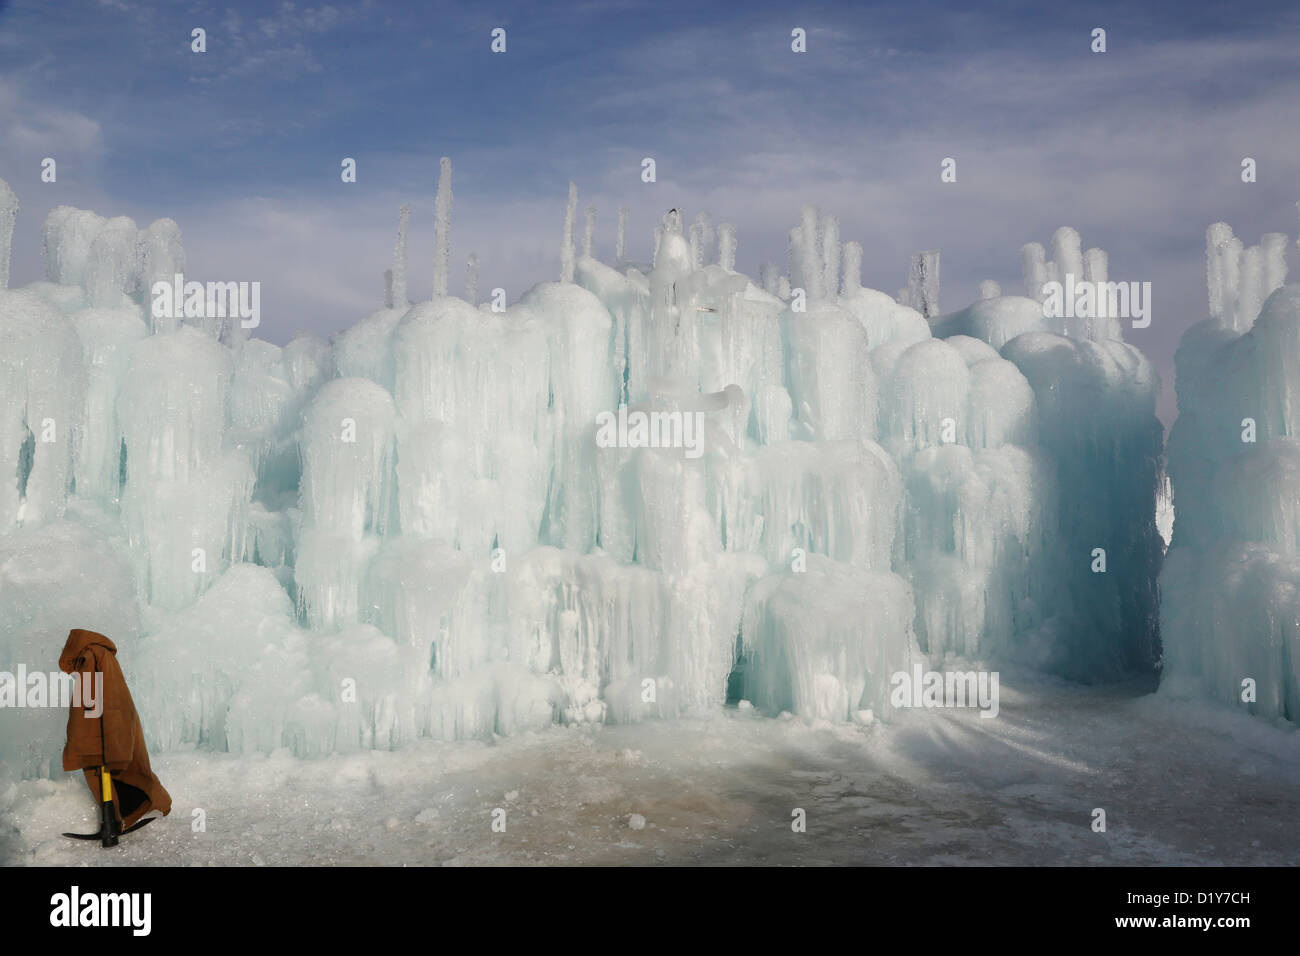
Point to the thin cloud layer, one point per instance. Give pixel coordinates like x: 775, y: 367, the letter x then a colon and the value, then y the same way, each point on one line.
x: 1139, y: 148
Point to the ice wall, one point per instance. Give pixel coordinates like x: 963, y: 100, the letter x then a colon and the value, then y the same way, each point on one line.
x: 442, y: 522
x: 1229, y: 587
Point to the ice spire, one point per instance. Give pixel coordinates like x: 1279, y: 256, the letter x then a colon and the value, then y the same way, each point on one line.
x: 809, y: 259
x: 1066, y: 254
x: 566, y: 249
x: 707, y: 237
x: 794, y: 256
x: 852, y: 268
x: 8, y: 212
x: 388, y: 288
x: 697, y: 245
x: 1217, y: 236
x: 923, y: 283
x: 990, y: 289
x: 769, y: 274
x: 1095, y: 265
x: 471, y: 280
x: 831, y: 255
x: 398, y: 297
x: 1034, y: 260
x: 620, y: 242
x: 1274, y: 246
x: 1223, y: 253
x: 589, y: 231
x: 442, y: 229
x: 727, y: 246
x: 1250, y: 298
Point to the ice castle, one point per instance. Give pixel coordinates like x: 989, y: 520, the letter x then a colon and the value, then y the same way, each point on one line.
x: 410, y: 530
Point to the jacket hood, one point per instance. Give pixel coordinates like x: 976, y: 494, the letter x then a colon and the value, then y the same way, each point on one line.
x: 78, y: 641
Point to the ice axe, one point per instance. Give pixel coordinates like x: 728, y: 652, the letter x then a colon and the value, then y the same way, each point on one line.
x: 107, y: 834
x: 108, y: 826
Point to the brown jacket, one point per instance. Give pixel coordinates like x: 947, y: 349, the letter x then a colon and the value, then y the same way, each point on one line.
x: 115, y: 738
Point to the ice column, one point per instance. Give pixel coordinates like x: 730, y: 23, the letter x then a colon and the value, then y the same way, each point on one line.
x: 923, y: 283
x: 810, y: 265
x: 471, y: 279
x: 442, y: 229
x: 620, y: 243
x: 347, y: 495
x: 399, y: 300
x: 727, y: 246
x: 8, y: 212
x: 185, y: 501
x: 831, y: 256
x: 566, y: 248
x: 1033, y: 258
x: 852, y: 268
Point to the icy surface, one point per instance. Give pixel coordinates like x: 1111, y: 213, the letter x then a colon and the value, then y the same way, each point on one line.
x: 939, y: 789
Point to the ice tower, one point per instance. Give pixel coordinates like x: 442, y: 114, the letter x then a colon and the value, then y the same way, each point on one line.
x: 1229, y: 587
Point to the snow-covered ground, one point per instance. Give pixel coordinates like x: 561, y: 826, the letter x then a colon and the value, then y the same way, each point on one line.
x: 1181, y: 784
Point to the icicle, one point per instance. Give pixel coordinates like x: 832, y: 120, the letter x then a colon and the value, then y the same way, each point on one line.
x: 620, y: 242
x: 990, y: 289
x: 727, y: 246
x: 707, y: 238
x: 923, y: 283
x: 1230, y: 266
x: 589, y: 233
x: 1095, y: 265
x: 1274, y: 246
x: 654, y: 255
x: 397, y: 297
x: 566, y: 248
x: 769, y: 275
x: 388, y: 288
x: 1216, y: 237
x: 471, y: 280
x: 794, y: 257
x: 810, y: 261
x: 852, y: 268
x: 160, y: 255
x: 697, y: 245
x: 1250, y: 298
x: 442, y: 230
x: 1066, y: 254
x: 8, y: 212
x: 830, y: 255
x: 1033, y: 258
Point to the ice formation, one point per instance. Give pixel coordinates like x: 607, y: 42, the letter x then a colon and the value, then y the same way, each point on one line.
x: 412, y: 531
x: 1231, y: 582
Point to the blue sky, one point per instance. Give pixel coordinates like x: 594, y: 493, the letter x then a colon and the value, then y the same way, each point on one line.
x: 1139, y: 148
